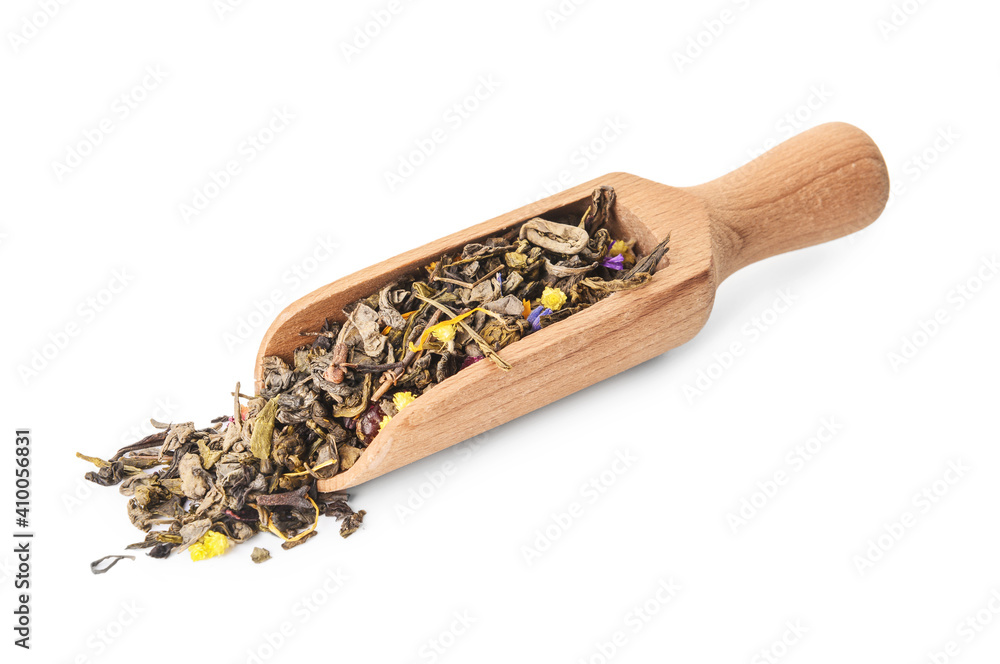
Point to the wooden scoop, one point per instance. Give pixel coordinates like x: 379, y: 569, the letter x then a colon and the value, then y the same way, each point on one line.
x: 818, y: 186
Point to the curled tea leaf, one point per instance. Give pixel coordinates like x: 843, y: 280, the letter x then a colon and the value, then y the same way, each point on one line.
x: 100, y: 463
x: 561, y: 271
x: 192, y: 532
x: 555, y: 237
x: 263, y: 430
x: 351, y: 524
x: 96, y: 567
x: 193, y: 479
x: 348, y: 456
x: 292, y: 543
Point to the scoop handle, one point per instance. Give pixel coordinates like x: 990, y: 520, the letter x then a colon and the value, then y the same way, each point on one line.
x: 818, y: 186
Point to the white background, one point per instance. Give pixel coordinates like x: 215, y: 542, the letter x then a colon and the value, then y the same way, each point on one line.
x: 485, y: 542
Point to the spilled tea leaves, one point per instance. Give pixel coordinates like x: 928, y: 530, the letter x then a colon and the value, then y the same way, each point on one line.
x: 206, y: 489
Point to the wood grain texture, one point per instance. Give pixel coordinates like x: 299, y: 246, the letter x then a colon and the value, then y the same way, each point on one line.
x: 818, y: 186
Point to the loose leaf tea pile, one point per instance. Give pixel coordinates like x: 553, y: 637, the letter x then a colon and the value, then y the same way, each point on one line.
x: 203, y: 490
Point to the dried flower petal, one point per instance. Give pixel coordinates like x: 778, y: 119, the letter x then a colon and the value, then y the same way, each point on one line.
x: 621, y: 248
x: 469, y: 361
x: 614, y: 262
x: 433, y: 329
x: 402, y: 399
x: 536, y: 314
x: 444, y: 334
x: 211, y: 544
x: 553, y: 298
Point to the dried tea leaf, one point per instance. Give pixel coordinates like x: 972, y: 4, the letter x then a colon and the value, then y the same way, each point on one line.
x: 100, y: 463
x: 110, y: 473
x: 353, y: 407
x: 484, y: 292
x: 647, y: 265
x: 208, y: 456
x: 291, y: 544
x: 192, y: 532
x: 516, y: 260
x: 140, y: 518
x: 339, y: 509
x: 193, y: 479
x: 560, y: 271
x: 236, y: 530
x: 96, y: 568
x: 348, y: 456
x: 149, y: 495
x: 173, y: 486
x: 154, y: 538
x: 297, y: 499
x: 351, y: 524
x: 507, y: 305
x: 363, y: 326
x: 602, y: 201
x: 553, y: 236
x: 388, y: 314
x: 263, y: 430
x: 327, y: 460
x: 260, y: 555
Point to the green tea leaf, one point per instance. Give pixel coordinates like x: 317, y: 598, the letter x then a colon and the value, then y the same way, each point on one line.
x: 263, y: 429
x: 100, y: 463
x: 208, y: 455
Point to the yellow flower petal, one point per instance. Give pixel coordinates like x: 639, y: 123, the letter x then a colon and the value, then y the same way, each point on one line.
x: 444, y: 334
x: 211, y: 544
x: 553, y: 298
x: 402, y: 399
x: 385, y: 420
x: 443, y: 324
x: 621, y: 247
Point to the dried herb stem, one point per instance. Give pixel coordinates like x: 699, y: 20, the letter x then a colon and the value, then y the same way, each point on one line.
x: 390, y: 377
x: 491, y: 254
x: 482, y: 343
x: 372, y: 368
x: 297, y: 499
x: 448, y: 280
x: 488, y: 275
x: 152, y: 440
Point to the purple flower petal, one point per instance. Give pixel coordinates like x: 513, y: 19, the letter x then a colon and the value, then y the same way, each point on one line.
x: 614, y: 263
x: 469, y: 361
x: 536, y: 324
x: 535, y: 313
